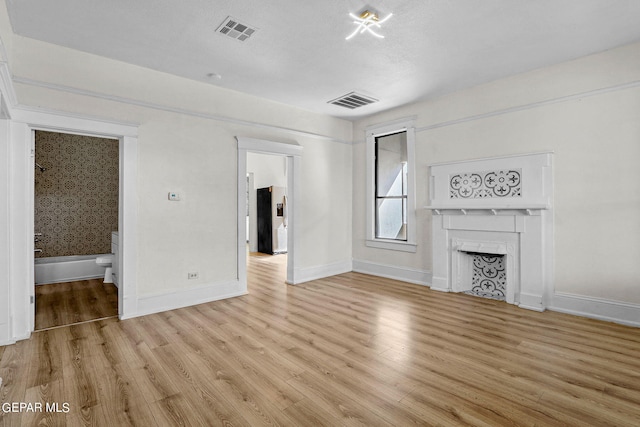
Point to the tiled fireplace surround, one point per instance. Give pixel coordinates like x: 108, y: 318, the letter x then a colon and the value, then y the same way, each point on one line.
x: 499, y: 206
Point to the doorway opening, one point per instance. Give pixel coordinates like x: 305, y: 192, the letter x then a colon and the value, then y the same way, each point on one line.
x: 288, y: 156
x: 76, y: 216
x: 267, y: 213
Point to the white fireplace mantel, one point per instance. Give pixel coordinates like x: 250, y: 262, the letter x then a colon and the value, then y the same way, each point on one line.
x: 470, y: 209
x: 487, y: 205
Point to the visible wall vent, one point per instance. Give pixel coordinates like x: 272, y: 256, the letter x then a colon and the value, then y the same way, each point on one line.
x: 234, y: 29
x: 353, y: 100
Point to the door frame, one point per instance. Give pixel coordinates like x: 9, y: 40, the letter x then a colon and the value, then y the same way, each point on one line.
x: 24, y: 123
x: 293, y: 154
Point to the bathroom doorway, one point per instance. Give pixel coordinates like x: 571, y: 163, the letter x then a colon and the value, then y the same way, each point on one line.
x: 76, y: 216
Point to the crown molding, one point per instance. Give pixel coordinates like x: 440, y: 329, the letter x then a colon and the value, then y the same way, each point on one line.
x: 166, y: 108
x: 63, y: 121
x: 576, y: 96
x: 7, y: 91
x: 531, y: 105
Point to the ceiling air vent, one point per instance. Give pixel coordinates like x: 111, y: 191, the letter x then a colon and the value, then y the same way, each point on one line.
x: 353, y: 100
x: 234, y: 29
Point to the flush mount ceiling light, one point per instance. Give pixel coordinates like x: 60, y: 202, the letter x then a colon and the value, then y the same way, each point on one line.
x: 366, y: 22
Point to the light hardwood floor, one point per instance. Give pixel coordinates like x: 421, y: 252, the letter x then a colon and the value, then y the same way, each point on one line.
x: 346, y: 350
x: 66, y: 303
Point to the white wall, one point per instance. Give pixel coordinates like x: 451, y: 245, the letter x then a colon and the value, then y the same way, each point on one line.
x: 326, y: 198
x: 586, y: 111
x: 267, y: 170
x: 186, y: 144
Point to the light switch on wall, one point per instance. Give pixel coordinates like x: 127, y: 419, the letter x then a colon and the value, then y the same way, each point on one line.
x: 174, y: 197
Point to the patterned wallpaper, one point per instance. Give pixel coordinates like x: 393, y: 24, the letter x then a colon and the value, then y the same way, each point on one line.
x: 76, y: 197
x: 480, y: 185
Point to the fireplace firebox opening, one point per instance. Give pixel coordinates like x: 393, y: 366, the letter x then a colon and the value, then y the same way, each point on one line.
x: 488, y: 276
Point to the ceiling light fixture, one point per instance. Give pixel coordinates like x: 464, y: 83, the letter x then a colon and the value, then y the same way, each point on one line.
x: 365, y: 22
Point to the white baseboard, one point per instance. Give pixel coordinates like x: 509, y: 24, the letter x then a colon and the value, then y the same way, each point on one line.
x: 404, y: 274
x: 4, y: 335
x: 302, y: 275
x: 596, y: 308
x: 178, y: 299
x: 440, y: 284
x: 531, y: 302
x: 10, y: 341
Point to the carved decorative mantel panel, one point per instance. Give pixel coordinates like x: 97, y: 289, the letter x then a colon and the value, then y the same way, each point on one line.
x: 482, y: 185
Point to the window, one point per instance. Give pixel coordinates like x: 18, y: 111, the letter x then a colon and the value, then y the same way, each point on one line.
x: 390, y: 186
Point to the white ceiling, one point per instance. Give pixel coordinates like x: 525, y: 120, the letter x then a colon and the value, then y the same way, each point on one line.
x: 299, y: 54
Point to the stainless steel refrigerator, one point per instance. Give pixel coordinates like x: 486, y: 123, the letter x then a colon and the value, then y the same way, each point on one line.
x: 272, y: 220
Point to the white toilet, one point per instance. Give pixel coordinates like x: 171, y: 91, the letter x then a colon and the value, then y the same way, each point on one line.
x: 106, y: 261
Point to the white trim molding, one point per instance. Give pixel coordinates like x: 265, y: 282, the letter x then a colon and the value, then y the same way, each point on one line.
x: 6, y: 86
x: 596, y: 308
x: 268, y: 147
x: 177, y: 110
x: 156, y: 303
x: 62, y: 121
x: 308, y: 274
x: 6, y: 335
x: 528, y: 106
x: 517, y: 108
x: 403, y: 274
x: 21, y: 149
x: 392, y: 245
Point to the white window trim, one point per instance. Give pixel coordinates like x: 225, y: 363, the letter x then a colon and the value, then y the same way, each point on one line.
x: 371, y: 132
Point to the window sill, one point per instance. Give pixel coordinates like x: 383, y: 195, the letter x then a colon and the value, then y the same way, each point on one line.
x: 392, y: 245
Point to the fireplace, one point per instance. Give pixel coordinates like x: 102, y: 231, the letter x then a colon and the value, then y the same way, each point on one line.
x: 487, y: 267
x: 492, y: 228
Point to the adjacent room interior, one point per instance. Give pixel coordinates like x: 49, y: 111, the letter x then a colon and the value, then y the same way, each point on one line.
x: 267, y: 222
x: 75, y: 228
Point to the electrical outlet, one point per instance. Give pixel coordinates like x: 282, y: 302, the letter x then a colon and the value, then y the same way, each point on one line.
x: 193, y: 275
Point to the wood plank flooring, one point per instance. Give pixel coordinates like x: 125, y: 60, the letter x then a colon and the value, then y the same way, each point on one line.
x: 346, y: 350
x: 66, y: 303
